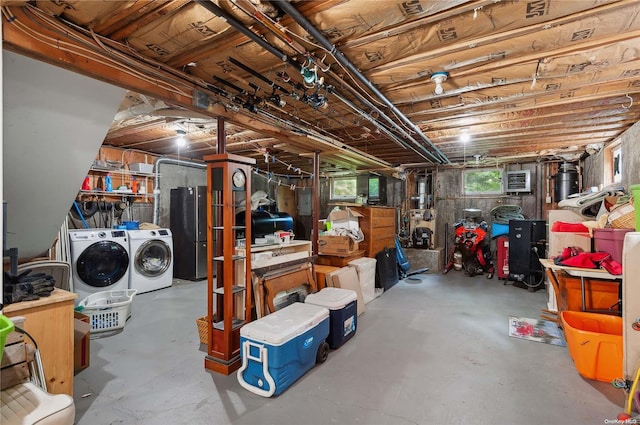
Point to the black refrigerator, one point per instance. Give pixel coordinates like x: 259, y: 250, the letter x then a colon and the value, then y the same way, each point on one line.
x: 188, y: 221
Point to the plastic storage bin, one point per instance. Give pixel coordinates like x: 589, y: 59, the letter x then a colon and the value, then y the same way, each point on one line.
x: 343, y: 313
x: 279, y: 348
x: 595, y: 344
x: 611, y: 241
x: 366, y: 269
x: 6, y: 327
x: 635, y: 191
x: 107, y: 310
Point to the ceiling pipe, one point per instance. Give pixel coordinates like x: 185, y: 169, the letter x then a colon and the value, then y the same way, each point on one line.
x: 156, y: 180
x: 213, y: 8
x: 322, y: 40
x: 231, y: 20
x: 379, y: 126
x: 418, y: 148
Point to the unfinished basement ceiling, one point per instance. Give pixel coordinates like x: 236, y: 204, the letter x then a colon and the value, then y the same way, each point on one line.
x: 352, y: 80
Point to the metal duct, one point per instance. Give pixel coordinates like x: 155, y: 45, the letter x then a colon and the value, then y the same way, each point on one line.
x: 156, y: 180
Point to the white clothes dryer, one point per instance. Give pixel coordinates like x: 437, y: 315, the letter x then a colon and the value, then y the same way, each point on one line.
x: 99, y: 261
x: 151, y: 259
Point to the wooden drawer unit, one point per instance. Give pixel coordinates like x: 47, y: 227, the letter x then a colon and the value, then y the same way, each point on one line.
x: 378, y: 225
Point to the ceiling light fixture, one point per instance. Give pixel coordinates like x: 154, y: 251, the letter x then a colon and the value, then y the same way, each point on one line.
x: 464, y: 135
x: 439, y: 78
x: 181, y: 140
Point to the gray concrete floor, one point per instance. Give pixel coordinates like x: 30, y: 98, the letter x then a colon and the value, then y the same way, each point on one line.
x: 431, y: 352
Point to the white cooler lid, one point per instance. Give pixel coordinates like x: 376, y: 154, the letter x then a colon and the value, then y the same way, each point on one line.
x: 332, y: 298
x: 285, y: 324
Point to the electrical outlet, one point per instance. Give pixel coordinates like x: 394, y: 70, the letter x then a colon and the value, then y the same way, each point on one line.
x: 548, y: 200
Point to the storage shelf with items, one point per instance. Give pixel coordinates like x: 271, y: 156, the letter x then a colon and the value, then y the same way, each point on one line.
x: 136, y: 183
x: 111, y: 176
x: 228, y: 295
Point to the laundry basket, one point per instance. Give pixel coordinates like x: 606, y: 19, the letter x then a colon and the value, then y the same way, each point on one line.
x: 108, y: 310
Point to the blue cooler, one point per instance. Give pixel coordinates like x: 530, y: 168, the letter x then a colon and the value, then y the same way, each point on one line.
x: 279, y: 348
x: 343, y: 312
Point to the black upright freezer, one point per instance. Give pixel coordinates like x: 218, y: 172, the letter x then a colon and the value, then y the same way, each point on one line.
x: 188, y: 222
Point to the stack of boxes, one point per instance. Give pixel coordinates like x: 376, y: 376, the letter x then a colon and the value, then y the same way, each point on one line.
x: 336, y: 240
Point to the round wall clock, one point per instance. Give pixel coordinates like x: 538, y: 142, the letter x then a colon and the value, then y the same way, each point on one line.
x: 239, y: 179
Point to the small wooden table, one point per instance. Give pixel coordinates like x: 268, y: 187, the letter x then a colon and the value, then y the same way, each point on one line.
x: 49, y: 320
x: 339, y: 260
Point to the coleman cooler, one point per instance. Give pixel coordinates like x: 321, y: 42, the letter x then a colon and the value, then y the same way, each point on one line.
x: 343, y: 313
x: 279, y: 348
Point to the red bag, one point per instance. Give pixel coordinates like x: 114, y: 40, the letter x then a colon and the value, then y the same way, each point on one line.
x: 612, y: 266
x: 567, y: 252
x: 586, y: 260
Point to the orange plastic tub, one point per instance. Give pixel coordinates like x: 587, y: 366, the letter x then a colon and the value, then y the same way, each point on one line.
x: 595, y: 344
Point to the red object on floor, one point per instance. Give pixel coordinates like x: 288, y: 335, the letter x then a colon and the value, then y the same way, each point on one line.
x: 502, y: 267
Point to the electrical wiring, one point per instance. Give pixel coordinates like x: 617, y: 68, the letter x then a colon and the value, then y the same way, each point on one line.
x: 366, y: 102
x: 277, y: 179
x: 84, y: 52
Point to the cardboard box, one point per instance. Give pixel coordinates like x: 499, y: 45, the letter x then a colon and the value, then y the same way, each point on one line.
x: 81, y: 341
x: 344, y: 219
x: 347, y: 278
x: 141, y: 167
x: 336, y: 245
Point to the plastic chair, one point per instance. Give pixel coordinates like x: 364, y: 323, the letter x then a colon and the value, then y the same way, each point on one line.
x: 60, y: 270
x: 24, y: 398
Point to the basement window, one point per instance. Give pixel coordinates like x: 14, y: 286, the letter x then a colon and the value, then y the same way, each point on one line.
x: 612, y: 162
x: 483, y: 181
x: 344, y: 188
x: 617, y: 164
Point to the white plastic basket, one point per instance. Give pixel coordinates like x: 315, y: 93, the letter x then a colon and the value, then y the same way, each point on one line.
x: 108, y: 310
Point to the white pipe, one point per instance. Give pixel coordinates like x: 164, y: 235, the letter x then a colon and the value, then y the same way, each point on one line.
x: 156, y: 180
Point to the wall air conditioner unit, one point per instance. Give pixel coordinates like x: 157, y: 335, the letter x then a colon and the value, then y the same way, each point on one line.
x: 518, y: 181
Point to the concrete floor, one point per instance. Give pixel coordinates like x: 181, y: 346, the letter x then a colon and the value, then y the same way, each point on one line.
x: 431, y: 352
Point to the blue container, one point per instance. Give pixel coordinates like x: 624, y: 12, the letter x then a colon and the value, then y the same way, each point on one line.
x: 132, y: 225
x: 343, y: 313
x: 279, y: 348
x: 498, y: 229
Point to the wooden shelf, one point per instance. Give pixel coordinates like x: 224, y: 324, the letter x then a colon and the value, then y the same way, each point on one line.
x: 229, y: 296
x: 235, y: 289
x: 235, y: 324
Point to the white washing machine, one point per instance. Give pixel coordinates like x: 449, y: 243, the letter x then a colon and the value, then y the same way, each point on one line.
x: 99, y: 261
x: 151, y: 259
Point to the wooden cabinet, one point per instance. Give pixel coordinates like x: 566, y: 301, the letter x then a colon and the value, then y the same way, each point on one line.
x: 378, y: 224
x: 229, y: 296
x: 49, y: 320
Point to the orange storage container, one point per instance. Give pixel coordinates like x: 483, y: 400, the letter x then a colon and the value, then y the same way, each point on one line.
x: 595, y: 344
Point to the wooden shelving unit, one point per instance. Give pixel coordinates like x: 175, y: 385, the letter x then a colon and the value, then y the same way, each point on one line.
x: 228, y: 295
